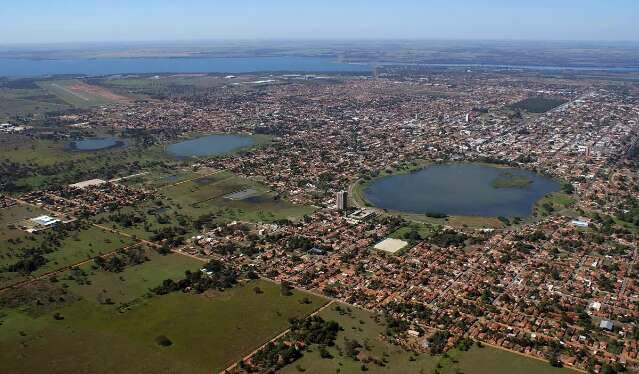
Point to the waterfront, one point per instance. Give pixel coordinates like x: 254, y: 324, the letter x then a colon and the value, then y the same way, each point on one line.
x: 210, y: 145
x: 460, y: 189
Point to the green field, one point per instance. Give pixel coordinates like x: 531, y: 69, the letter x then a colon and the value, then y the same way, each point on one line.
x: 79, y: 246
x: 30, y: 100
x: 73, y: 166
x: 133, y: 283
x: 186, y: 201
x: 78, y: 94
x: 208, y: 333
x: 209, y: 194
x: 40, y: 152
x: 538, y: 104
x: 555, y: 203
x: 363, y: 327
x: 403, y: 232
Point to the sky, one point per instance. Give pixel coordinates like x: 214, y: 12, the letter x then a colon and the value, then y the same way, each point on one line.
x: 56, y: 21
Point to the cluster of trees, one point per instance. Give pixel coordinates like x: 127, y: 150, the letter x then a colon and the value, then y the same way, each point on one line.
x: 447, y: 238
x: 299, y: 242
x: 438, y: 342
x: 32, y: 258
x: 171, y: 235
x: 215, y: 275
x: 312, y: 330
x: 126, y: 219
x: 121, y: 260
x: 412, y: 310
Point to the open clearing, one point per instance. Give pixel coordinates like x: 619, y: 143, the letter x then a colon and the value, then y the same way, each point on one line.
x: 134, y: 282
x: 80, y: 94
x: 29, y: 101
x: 206, y: 195
x: 208, y: 333
x: 78, y: 246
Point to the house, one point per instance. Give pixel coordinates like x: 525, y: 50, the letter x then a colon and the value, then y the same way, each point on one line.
x: 606, y: 325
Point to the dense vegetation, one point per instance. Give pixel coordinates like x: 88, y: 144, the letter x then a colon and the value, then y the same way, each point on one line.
x: 214, y: 275
x: 538, y: 104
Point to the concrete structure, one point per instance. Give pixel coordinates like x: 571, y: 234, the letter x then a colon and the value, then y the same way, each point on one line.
x: 46, y: 221
x: 391, y: 245
x: 89, y: 183
x: 342, y: 200
x: 606, y: 325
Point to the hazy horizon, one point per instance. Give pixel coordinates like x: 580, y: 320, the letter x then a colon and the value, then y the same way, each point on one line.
x: 65, y: 22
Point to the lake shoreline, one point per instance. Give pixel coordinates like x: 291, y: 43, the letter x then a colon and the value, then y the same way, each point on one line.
x: 359, y: 191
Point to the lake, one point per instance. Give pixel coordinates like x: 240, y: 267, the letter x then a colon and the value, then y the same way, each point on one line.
x: 211, y: 145
x: 109, y: 66
x: 460, y: 189
x: 96, y: 144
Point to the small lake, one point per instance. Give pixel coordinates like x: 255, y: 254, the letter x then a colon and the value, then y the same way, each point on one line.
x: 96, y: 144
x: 460, y: 189
x: 211, y: 145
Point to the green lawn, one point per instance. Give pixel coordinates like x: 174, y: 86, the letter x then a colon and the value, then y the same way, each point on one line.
x: 28, y: 101
x: 40, y: 152
x: 134, y: 282
x: 77, y: 247
x: 207, y: 195
x: 208, y: 333
x: 422, y: 229
x: 489, y: 360
x: 555, y: 203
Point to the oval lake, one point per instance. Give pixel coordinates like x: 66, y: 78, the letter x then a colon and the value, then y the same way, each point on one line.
x: 96, y: 144
x: 462, y: 189
x: 210, y: 145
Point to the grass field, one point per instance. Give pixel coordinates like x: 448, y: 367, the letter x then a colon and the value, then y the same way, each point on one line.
x: 208, y: 333
x: 188, y: 200
x: 31, y: 101
x: 538, y: 104
x: 134, y: 282
x: 554, y: 203
x: 77, y: 247
x: 423, y: 230
x: 80, y: 94
x: 76, y: 166
x: 40, y: 152
x: 207, y: 195
x: 363, y: 327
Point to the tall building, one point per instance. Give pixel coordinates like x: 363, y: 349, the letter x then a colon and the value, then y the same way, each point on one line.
x: 342, y: 200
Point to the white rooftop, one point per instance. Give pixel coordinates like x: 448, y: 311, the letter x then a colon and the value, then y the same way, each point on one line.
x: 391, y: 245
x: 89, y: 183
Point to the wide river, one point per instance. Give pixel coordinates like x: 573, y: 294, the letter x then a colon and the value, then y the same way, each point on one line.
x: 210, y: 145
x: 459, y: 189
x: 109, y: 66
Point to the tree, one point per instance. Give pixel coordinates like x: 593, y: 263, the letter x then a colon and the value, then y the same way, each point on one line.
x: 285, y: 288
